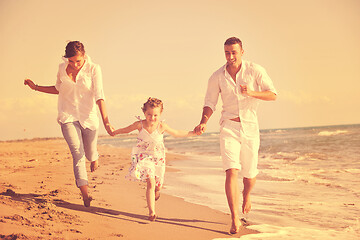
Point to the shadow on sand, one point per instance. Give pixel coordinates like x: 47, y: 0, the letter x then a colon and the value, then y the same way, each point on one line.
x: 121, y: 215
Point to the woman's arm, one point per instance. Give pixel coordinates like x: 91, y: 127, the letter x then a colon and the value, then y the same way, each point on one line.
x: 177, y: 133
x: 128, y: 129
x: 44, y: 89
x: 105, y: 117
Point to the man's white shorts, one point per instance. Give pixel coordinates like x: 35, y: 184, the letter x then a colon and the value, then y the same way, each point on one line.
x: 238, y: 151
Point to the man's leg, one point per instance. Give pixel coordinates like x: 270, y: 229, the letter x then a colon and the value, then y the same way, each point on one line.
x: 232, y: 194
x: 249, y: 184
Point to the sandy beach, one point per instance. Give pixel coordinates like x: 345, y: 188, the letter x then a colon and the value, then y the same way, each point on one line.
x: 39, y: 199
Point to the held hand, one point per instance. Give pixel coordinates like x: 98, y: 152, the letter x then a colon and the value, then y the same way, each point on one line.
x: 30, y: 83
x: 110, y: 130
x: 200, y: 129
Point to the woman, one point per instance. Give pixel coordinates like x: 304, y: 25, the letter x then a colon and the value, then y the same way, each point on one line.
x: 79, y: 86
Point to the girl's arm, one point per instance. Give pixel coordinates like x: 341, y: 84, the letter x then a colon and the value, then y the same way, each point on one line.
x: 128, y: 129
x: 177, y: 133
x: 44, y: 89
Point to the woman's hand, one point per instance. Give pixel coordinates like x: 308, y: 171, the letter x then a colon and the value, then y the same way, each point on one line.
x: 110, y: 129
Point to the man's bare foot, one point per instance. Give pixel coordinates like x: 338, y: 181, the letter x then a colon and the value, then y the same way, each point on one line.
x: 235, y: 226
x: 94, y: 165
x: 249, y: 184
x: 246, y: 207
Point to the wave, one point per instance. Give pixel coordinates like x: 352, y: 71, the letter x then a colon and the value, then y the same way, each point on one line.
x: 272, y: 232
x: 331, y: 133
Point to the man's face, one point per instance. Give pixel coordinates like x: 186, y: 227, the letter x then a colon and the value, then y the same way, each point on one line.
x: 233, y: 54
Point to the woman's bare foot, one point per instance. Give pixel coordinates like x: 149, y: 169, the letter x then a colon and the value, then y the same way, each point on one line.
x: 87, y: 201
x: 235, y: 226
x: 94, y: 165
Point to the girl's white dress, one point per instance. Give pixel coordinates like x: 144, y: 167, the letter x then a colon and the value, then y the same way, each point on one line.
x: 148, y: 157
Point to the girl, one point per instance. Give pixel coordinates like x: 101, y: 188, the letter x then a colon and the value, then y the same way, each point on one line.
x: 148, y: 156
x: 79, y: 86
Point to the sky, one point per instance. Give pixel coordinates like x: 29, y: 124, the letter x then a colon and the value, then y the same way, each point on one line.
x: 169, y: 49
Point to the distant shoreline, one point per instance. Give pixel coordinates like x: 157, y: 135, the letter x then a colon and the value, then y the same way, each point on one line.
x: 104, y: 136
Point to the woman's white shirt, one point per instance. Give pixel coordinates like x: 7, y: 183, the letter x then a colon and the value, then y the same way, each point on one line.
x: 77, y: 100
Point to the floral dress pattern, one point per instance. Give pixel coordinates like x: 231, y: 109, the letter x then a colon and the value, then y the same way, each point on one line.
x: 148, y: 157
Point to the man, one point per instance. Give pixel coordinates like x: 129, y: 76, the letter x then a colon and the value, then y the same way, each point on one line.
x: 241, y: 85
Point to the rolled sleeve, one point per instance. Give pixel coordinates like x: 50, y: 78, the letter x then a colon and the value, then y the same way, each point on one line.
x: 98, y: 84
x: 58, y: 79
x: 212, y: 93
x: 264, y: 81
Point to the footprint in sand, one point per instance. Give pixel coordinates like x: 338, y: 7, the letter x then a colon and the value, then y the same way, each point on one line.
x: 117, y: 235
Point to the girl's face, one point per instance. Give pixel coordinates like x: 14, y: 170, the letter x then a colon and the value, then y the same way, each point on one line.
x: 77, y: 61
x: 152, y: 115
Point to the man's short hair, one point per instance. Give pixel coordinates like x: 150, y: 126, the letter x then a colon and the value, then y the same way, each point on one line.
x: 232, y: 41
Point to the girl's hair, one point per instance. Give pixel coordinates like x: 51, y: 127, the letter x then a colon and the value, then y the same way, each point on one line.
x: 73, y: 48
x: 153, y: 103
x: 233, y: 40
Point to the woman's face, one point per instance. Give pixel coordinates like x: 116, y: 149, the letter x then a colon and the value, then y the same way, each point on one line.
x: 77, y: 61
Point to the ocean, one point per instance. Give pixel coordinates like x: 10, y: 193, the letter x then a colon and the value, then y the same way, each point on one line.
x: 308, y: 186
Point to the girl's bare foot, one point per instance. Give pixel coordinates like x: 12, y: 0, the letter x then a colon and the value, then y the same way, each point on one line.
x: 94, y: 165
x: 152, y: 218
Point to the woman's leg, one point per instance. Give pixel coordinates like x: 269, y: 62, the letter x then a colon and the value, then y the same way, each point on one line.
x: 73, y: 137
x: 90, y: 147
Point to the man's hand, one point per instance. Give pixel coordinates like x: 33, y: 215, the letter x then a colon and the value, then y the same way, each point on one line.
x: 30, y: 83
x: 245, y: 90
x: 200, y: 129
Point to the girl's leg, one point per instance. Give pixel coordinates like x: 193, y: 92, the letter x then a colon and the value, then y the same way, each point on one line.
x: 73, y: 137
x: 157, y: 193
x: 150, y: 198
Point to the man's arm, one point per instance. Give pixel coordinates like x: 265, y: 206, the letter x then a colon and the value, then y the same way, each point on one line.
x: 265, y: 95
x: 206, y: 114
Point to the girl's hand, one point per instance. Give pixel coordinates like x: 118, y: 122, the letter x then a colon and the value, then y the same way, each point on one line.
x: 30, y: 83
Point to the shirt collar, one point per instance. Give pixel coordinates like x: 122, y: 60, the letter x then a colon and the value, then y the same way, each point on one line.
x: 227, y: 73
